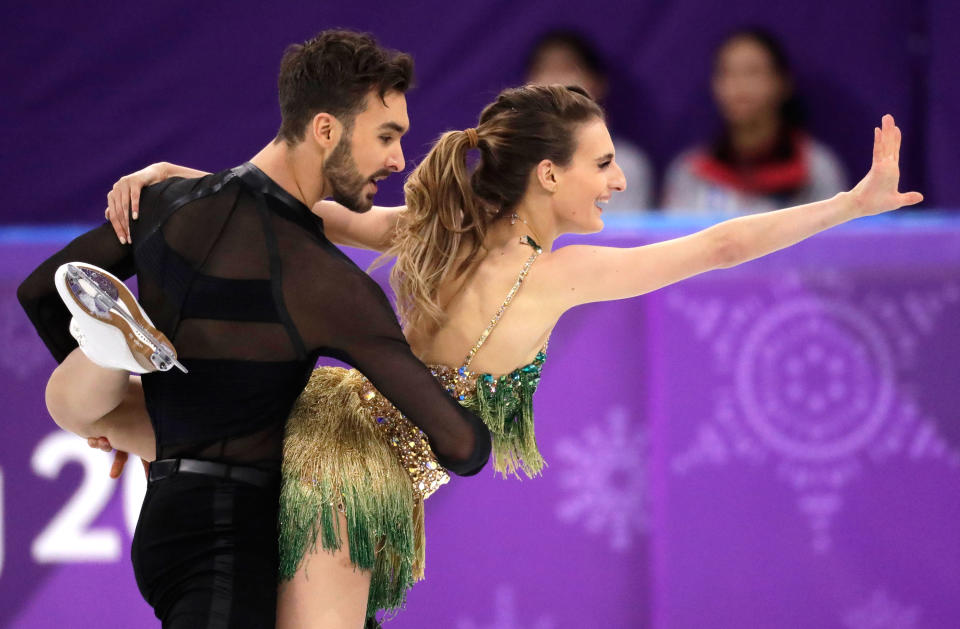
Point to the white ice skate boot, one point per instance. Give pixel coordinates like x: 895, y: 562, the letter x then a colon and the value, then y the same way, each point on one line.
x: 108, y: 323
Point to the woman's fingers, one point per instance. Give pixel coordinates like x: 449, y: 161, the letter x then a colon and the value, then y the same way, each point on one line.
x: 118, y: 462
x: 124, y: 203
x: 897, y: 139
x: 910, y: 198
x: 886, y: 148
x: 112, y: 214
x: 877, y: 147
x: 888, y: 135
x: 125, y: 207
x: 886, y: 140
x: 100, y: 443
x: 135, y: 204
x: 113, y: 217
x: 119, y: 459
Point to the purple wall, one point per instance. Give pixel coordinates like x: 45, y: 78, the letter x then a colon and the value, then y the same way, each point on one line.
x: 776, y: 445
x: 773, y: 446
x: 89, y: 95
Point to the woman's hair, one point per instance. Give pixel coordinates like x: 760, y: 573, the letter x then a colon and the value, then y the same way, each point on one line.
x: 791, y: 113
x: 449, y: 206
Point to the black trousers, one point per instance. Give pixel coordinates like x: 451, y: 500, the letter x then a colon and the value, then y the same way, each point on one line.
x: 205, y: 552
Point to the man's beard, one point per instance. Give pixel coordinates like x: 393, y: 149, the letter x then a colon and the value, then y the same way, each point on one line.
x: 345, y: 179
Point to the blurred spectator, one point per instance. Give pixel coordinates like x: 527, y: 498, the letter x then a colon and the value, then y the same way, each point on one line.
x: 567, y: 58
x: 762, y: 159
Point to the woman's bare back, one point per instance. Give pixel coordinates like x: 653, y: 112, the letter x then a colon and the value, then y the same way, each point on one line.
x: 472, y: 299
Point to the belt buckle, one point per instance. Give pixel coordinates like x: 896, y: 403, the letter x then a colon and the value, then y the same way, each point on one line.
x: 163, y: 468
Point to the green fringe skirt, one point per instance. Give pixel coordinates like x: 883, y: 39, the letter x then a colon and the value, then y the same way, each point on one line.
x: 336, y: 460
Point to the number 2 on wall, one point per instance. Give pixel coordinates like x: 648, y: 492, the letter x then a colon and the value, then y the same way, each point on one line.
x: 70, y: 537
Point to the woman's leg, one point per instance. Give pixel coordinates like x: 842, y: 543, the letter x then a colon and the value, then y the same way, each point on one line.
x: 128, y: 427
x: 79, y: 392
x: 91, y: 401
x: 326, y: 592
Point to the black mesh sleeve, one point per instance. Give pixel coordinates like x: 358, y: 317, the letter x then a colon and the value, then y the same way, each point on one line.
x: 38, y: 294
x: 354, y: 322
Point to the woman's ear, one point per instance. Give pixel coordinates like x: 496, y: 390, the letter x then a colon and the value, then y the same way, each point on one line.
x: 547, y: 175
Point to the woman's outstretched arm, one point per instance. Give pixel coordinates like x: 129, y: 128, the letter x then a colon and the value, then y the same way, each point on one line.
x: 372, y: 230
x: 582, y: 274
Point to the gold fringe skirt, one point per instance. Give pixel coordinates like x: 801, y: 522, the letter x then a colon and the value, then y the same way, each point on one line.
x: 337, y: 459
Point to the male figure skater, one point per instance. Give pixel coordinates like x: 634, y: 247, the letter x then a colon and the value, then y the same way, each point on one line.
x: 235, y: 271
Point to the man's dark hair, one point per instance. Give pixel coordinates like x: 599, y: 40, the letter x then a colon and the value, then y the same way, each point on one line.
x: 332, y: 73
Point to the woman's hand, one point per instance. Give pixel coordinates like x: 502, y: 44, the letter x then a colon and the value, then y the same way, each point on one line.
x: 877, y: 191
x: 119, y: 459
x: 123, y: 200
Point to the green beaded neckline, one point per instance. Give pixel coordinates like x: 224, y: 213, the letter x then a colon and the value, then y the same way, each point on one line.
x: 491, y: 381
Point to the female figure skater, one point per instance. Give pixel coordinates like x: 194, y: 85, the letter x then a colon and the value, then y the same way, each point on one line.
x: 479, y: 289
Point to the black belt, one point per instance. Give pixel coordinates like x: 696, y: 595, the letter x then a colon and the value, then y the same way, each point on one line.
x: 168, y: 467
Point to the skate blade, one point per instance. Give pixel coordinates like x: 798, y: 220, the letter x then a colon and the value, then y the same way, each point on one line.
x: 101, y: 300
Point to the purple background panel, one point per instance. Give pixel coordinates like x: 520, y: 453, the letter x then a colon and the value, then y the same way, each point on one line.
x: 96, y: 91
x: 695, y: 477
x: 775, y: 445
x: 796, y: 408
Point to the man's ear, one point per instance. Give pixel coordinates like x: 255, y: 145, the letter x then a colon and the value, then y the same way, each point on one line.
x: 325, y: 130
x: 547, y: 172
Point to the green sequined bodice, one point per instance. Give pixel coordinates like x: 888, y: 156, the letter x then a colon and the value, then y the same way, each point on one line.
x: 504, y: 403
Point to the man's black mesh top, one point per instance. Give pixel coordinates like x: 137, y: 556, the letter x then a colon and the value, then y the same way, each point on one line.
x: 240, y: 277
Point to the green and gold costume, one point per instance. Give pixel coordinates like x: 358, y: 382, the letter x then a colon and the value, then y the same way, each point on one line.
x: 348, y: 450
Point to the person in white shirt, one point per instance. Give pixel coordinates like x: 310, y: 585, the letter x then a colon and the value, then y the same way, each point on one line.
x: 762, y: 159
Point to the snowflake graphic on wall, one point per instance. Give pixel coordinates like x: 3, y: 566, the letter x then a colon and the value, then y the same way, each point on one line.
x: 603, y: 476
x: 881, y: 612
x: 505, y: 614
x: 817, y: 381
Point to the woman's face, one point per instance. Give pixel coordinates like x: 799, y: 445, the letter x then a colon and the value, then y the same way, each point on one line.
x: 587, y: 182
x: 746, y: 85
